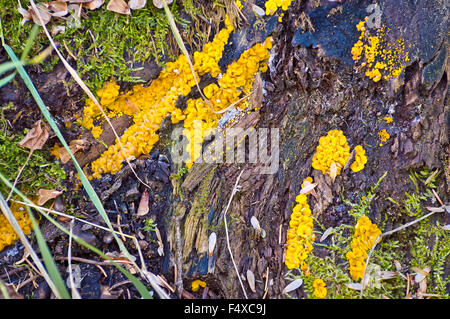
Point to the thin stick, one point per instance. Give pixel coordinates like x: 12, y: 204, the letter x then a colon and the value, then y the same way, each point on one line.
x: 18, y: 175
x: 235, y: 189
x: 72, y: 217
x: 80, y: 82
x: 75, y: 294
x: 383, y: 235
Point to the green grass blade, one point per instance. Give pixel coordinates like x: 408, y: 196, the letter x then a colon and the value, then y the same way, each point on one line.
x: 12, y: 220
x: 33, y: 34
x: 8, y: 66
x: 139, y: 286
x: 88, y: 187
x: 7, y: 79
x: 48, y: 259
x: 3, y: 290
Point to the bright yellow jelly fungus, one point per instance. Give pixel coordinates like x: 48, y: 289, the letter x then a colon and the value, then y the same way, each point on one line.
x: 196, y: 284
x: 363, y: 239
x: 273, y: 5
x: 383, y: 135
x: 383, y: 58
x: 320, y: 290
x: 234, y: 84
x: 300, y: 236
x: 360, y: 159
x: 150, y: 105
x: 332, y: 148
x: 388, y: 119
x: 7, y: 234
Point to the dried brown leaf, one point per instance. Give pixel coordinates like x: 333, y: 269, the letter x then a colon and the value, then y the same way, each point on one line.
x: 354, y: 286
x: 212, y: 243
x: 45, y: 195
x: 258, y: 10
x: 36, y: 137
x: 436, y: 209
x: 137, y: 4
x: 159, y: 3
x: 251, y: 280
x: 333, y: 171
x: 95, y: 4
x: 326, y: 234
x: 74, y: 146
x: 59, y: 8
x: 292, y: 286
x: 446, y: 227
x: 118, y: 6
x: 398, y: 265
x: 308, y: 187
x: 255, y: 223
x: 143, y: 208
x: 43, y: 12
x: 387, y: 274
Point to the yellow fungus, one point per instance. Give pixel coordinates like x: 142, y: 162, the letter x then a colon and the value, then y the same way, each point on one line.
x: 332, y: 148
x: 196, y: 284
x: 7, y: 234
x: 360, y: 159
x: 363, y: 239
x: 320, y: 290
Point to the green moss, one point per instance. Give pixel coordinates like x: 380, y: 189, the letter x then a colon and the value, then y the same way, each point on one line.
x: 106, y: 44
x: 426, y: 243
x: 40, y: 172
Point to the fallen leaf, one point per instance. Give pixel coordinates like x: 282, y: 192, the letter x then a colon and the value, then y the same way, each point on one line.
x: 59, y: 8
x: 95, y: 4
x: 45, y: 195
x: 436, y: 209
x: 258, y: 10
x: 74, y: 146
x: 251, y: 280
x: 159, y: 3
x: 118, y: 6
x: 446, y: 227
x: 137, y: 4
x: 354, y: 286
x: 326, y: 234
x: 292, y: 286
x: 58, y: 29
x: 143, y: 208
x: 333, y: 171
x: 36, y: 137
x: 26, y: 16
x: 212, y: 243
x: 398, y: 266
x: 308, y: 187
x: 255, y: 223
x: 387, y: 274
x: 43, y: 12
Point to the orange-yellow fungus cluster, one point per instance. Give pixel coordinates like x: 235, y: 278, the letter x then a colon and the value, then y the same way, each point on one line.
x: 332, y: 148
x: 233, y: 85
x: 7, y: 234
x: 388, y: 119
x: 383, y: 59
x: 383, y: 135
x: 196, y: 284
x: 300, y: 236
x: 320, y: 290
x: 363, y: 239
x: 150, y: 105
x: 360, y: 159
x: 273, y: 5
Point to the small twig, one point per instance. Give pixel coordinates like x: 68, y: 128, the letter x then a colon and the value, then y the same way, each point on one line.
x: 18, y: 175
x: 179, y: 257
x: 383, y: 235
x: 235, y: 189
x: 75, y: 294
